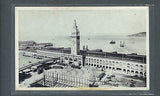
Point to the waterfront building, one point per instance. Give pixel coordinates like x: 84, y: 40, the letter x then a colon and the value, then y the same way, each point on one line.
x: 42, y: 45
x: 23, y: 45
x: 131, y: 68
x: 64, y: 57
x: 129, y: 64
x: 26, y: 44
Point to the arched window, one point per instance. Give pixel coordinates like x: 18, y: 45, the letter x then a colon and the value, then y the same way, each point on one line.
x: 145, y: 74
x: 79, y: 63
x: 141, y: 73
x: 141, y: 66
x: 75, y: 59
x: 70, y: 58
x: 66, y: 58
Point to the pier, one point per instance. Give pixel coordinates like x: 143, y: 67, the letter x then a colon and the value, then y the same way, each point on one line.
x: 37, y: 63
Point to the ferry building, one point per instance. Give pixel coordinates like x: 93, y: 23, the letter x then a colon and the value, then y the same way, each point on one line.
x: 129, y: 64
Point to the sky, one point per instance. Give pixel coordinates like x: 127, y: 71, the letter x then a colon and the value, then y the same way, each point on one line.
x: 46, y: 22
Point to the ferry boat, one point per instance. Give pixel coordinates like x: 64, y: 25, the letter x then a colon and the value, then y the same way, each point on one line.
x: 122, y: 43
x: 112, y: 42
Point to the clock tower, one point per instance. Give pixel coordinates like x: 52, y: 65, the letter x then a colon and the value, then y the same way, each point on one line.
x: 75, y: 36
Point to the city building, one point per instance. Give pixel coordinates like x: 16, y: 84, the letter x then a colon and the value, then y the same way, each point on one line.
x: 23, y: 45
x: 129, y: 64
x: 26, y: 44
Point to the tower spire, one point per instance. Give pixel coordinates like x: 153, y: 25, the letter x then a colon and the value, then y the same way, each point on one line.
x: 75, y: 39
x: 75, y: 24
x: 75, y: 21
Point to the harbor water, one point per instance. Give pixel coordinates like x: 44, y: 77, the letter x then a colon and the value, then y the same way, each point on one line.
x: 132, y: 44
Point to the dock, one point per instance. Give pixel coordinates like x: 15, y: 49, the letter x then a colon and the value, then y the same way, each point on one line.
x: 37, y: 63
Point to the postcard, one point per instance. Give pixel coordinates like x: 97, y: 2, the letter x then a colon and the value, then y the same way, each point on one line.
x: 82, y: 48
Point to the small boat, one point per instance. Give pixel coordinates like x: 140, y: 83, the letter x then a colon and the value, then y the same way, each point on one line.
x: 122, y: 44
x: 112, y: 42
x: 29, y: 62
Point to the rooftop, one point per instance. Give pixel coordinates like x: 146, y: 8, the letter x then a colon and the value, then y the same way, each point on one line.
x: 100, y: 53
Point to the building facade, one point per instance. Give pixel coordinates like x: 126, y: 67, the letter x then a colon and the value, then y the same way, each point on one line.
x: 26, y: 44
x: 64, y: 58
x: 122, y: 66
x: 127, y: 67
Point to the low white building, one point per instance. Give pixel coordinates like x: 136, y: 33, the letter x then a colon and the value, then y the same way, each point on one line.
x: 124, y: 66
x: 64, y: 58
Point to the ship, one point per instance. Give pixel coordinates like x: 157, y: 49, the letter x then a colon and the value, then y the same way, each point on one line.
x: 112, y: 42
x: 122, y: 43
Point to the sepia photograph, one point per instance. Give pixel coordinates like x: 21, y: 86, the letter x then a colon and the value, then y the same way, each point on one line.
x: 82, y: 48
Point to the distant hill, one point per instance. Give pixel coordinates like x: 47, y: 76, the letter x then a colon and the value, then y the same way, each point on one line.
x: 140, y: 34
